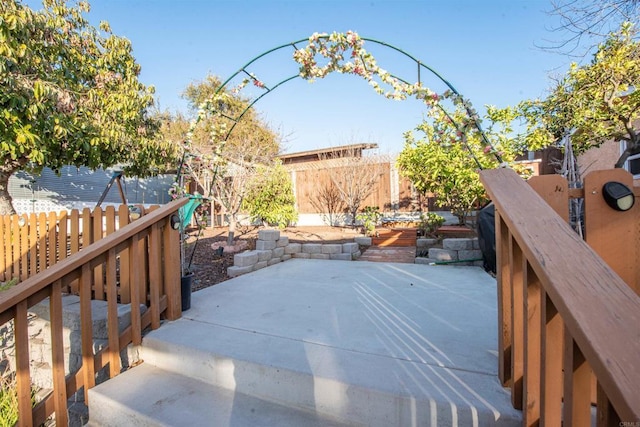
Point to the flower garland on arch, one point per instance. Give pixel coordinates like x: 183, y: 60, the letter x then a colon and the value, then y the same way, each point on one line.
x: 336, y: 46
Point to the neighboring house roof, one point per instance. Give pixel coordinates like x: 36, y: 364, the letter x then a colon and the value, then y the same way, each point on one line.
x: 75, y: 185
x: 321, y: 154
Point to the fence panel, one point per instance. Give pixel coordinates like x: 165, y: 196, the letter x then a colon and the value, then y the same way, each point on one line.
x: 29, y: 244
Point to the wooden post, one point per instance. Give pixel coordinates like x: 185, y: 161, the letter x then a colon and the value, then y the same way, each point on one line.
x: 612, y: 234
x: 135, y: 274
x: 554, y: 190
x: 57, y: 354
x: 155, y: 272
x: 577, y: 385
x: 23, y: 377
x: 532, y: 342
x: 172, y: 271
x: 551, y: 365
x: 505, y: 334
x: 86, y: 330
x: 113, y: 330
x: 517, y: 261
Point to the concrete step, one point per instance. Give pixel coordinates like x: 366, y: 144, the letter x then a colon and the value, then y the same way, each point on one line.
x: 150, y: 396
x: 336, y: 384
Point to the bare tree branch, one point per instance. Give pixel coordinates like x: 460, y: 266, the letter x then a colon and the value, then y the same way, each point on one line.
x: 584, y: 23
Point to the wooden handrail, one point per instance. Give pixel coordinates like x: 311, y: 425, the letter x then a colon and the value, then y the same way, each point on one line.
x: 601, y: 314
x: 153, y: 278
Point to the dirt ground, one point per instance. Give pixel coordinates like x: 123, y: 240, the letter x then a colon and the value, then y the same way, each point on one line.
x: 210, y: 268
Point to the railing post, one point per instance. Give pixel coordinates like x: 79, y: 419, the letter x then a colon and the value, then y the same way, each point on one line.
x: 113, y: 329
x: 532, y: 331
x: 505, y: 334
x: 551, y: 364
x: 517, y: 261
x: 577, y: 385
x: 172, y: 272
x: 23, y: 377
x: 57, y: 354
x: 135, y: 276
x: 86, y: 330
x: 606, y: 415
x: 155, y: 275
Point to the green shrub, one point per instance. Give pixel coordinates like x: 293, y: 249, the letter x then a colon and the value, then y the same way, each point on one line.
x: 430, y: 222
x: 369, y: 217
x: 270, y: 198
x: 8, y: 401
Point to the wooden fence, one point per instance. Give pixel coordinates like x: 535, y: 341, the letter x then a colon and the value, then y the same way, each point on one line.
x: 565, y: 316
x: 29, y: 244
x: 98, y: 271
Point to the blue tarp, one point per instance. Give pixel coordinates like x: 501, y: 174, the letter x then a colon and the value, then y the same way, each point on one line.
x: 186, y: 212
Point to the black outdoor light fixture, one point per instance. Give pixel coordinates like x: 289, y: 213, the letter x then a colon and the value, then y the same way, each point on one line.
x: 175, y: 222
x: 618, y: 196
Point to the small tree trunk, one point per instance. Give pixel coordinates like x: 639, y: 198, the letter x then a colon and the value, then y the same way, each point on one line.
x: 232, y: 229
x: 6, y: 207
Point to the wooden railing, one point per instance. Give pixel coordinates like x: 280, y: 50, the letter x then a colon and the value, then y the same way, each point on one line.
x: 152, y: 274
x: 31, y: 243
x: 563, y: 316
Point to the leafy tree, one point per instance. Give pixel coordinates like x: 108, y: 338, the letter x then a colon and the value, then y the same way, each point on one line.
x: 69, y: 94
x: 230, y: 111
x: 445, y: 161
x: 221, y: 161
x: 596, y: 102
x: 271, y: 197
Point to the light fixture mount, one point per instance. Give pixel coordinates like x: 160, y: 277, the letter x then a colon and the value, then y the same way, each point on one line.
x: 618, y: 196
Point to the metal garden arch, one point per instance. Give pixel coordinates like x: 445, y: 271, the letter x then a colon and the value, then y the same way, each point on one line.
x: 420, y: 68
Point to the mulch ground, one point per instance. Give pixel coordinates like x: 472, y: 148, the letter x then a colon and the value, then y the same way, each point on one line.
x: 210, y: 267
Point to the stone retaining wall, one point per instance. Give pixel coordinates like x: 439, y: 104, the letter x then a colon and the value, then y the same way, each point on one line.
x: 40, y: 346
x: 457, y: 250
x: 271, y: 248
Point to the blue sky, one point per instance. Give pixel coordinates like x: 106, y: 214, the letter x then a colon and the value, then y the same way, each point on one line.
x: 485, y: 49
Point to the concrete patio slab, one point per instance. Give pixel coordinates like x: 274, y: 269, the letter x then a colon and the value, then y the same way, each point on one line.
x: 358, y: 342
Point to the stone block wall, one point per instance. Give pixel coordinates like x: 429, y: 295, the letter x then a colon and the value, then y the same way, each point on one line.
x: 454, y: 251
x: 271, y: 248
